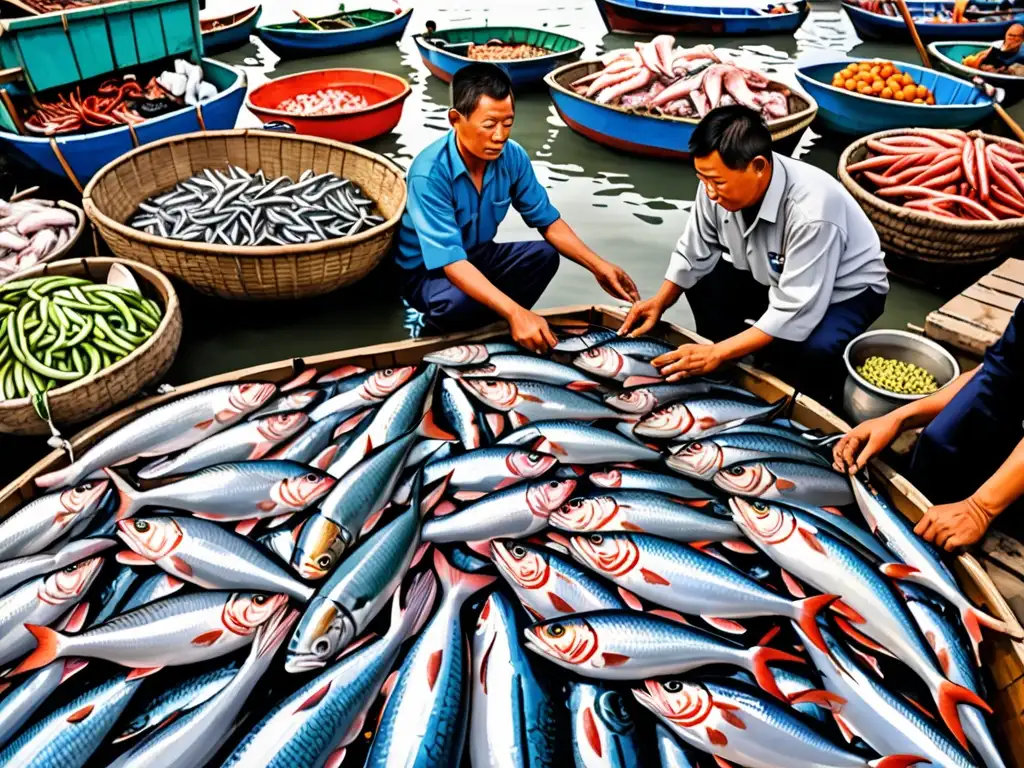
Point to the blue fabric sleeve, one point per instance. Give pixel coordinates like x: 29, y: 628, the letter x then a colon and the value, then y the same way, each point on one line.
x: 433, y: 217
x: 528, y: 196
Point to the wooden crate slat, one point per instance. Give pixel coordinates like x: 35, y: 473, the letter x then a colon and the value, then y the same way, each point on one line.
x: 992, y: 298
x: 964, y: 336
x: 984, y: 316
x: 1011, y: 269
x: 1002, y: 285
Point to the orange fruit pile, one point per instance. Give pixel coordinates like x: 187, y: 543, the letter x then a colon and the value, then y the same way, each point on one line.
x: 884, y: 80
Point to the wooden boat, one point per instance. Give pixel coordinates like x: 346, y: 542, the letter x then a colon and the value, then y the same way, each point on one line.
x: 369, y: 27
x: 879, y: 26
x: 226, y: 32
x: 79, y: 156
x: 949, y: 53
x: 958, y: 104
x: 1003, y: 658
x: 445, y: 52
x: 655, y: 18
x: 385, y: 93
x: 646, y: 134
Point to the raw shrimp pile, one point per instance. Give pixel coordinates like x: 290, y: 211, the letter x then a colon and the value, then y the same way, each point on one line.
x: 500, y: 52
x: 684, y: 82
x: 948, y: 173
x: 30, y: 231
x: 326, y: 101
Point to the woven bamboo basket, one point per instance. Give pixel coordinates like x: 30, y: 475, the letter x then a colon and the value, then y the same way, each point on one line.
x: 84, y: 399
x: 59, y: 252
x: 241, y: 272
x: 924, y: 236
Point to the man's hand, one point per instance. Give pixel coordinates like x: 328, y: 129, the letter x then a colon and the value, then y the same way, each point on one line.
x: 642, y: 317
x: 951, y: 526
x: 689, y: 360
x: 852, y: 453
x: 531, y: 331
x: 615, y: 281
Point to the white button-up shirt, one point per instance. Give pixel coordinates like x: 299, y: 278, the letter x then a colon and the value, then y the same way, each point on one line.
x: 811, y: 245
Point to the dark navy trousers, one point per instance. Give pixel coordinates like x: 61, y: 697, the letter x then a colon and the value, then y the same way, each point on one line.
x: 723, y: 299
x: 521, y: 270
x: 973, y: 435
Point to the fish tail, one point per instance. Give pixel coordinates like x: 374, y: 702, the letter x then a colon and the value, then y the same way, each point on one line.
x: 948, y: 697
x: 429, y: 428
x: 779, y: 407
x: 458, y: 585
x: 974, y: 619
x: 898, y: 761
x: 759, y: 658
x: 419, y: 600
x: 807, y: 611
x: 127, y: 497
x: 49, y: 647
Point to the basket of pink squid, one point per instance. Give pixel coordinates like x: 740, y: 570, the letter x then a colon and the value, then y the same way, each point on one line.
x: 648, y: 99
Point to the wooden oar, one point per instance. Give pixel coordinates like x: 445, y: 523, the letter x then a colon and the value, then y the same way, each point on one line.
x: 908, y: 19
x: 309, y: 21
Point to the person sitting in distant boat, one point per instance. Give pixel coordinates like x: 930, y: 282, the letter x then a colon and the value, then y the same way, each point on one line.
x: 776, y: 240
x: 460, y: 189
x: 1000, y: 59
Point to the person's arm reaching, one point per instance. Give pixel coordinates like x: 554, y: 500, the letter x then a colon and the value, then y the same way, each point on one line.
x: 963, y: 523
x: 858, y: 446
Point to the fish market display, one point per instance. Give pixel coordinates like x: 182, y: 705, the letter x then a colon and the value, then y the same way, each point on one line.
x: 121, y: 102
x: 326, y: 101
x: 946, y: 173
x: 59, y: 329
x: 884, y: 80
x: 661, y: 78
x: 235, y: 207
x: 486, y: 559
x: 31, y: 231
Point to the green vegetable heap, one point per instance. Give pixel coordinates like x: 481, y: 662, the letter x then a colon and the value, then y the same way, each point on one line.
x: 897, y: 376
x: 55, y: 330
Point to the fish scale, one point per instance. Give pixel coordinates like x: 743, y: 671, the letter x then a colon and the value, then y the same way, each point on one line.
x: 701, y: 459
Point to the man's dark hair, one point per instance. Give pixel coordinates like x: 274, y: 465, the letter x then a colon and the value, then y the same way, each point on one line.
x: 477, y: 80
x: 736, y: 132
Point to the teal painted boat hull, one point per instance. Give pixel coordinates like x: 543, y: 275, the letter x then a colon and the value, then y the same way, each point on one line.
x: 948, y: 54
x: 87, y: 153
x: 958, y: 103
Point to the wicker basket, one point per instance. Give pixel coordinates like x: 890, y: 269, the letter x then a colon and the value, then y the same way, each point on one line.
x: 924, y: 236
x: 89, y: 397
x: 59, y: 252
x: 242, y: 272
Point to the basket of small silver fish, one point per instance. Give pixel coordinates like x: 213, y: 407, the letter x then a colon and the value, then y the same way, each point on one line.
x: 533, y: 558
x: 79, y: 337
x: 248, y: 214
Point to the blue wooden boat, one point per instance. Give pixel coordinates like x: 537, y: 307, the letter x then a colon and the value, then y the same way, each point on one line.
x: 79, y: 156
x: 445, y: 52
x: 948, y: 55
x: 881, y: 26
x: 643, y: 133
x: 365, y: 28
x: 226, y: 32
x: 654, y: 18
x: 958, y: 104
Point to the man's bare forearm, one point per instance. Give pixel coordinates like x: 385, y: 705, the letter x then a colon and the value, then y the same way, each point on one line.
x: 743, y: 344
x: 668, y: 294
x: 921, y: 412
x: 568, y: 243
x: 474, y: 283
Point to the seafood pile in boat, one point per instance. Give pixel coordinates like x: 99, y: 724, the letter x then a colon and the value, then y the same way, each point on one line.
x: 523, y: 560
x: 120, y: 101
x: 326, y: 101
x: 58, y: 329
x: 499, y: 51
x: 235, y: 207
x: 31, y: 231
x: 947, y: 173
x: 661, y: 78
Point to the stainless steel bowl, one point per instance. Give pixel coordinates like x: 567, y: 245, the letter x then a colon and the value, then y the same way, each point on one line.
x: 863, y: 400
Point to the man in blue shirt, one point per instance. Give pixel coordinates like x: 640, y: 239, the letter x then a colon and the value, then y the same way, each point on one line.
x: 460, y: 189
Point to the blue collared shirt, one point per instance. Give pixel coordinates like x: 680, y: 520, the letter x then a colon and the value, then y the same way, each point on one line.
x: 446, y: 216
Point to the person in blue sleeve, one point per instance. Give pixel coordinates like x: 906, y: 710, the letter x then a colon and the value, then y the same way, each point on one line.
x: 460, y: 189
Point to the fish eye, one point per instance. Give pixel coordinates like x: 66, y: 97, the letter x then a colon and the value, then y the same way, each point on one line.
x: 389, y: 371
x: 554, y: 484
x: 556, y: 630
x: 85, y: 487
x: 576, y: 503
x: 259, y: 599
x: 533, y: 456
x: 518, y: 551
x: 696, y: 446
x: 760, y: 506
x: 735, y: 471
x: 673, y: 686
x: 596, y: 538
x: 141, y: 526
x: 71, y: 568
x: 324, y: 561
x: 312, y: 477
x: 322, y: 646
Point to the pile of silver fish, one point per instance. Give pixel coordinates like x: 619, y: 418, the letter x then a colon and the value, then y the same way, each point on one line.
x: 235, y: 207
x: 488, y: 559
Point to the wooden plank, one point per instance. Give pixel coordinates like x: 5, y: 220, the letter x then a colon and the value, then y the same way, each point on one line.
x: 985, y: 317
x: 91, y: 46
x: 964, y: 336
x: 1002, y: 285
x: 1011, y: 269
x: 996, y: 299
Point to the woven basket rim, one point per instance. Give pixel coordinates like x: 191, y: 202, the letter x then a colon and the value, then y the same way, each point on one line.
x: 397, y: 99
x: 242, y: 251
x: 921, y: 217
x: 57, y: 254
x: 151, y: 275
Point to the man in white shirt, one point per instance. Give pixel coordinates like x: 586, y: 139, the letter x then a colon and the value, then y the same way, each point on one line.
x: 777, y: 259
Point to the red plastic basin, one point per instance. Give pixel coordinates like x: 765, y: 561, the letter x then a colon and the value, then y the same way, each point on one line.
x: 385, y: 93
